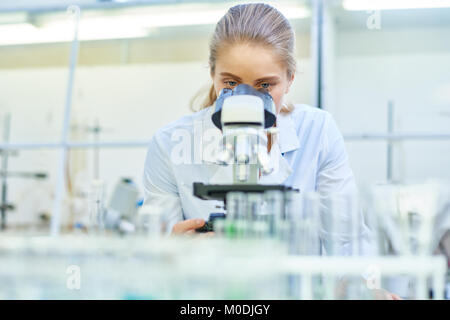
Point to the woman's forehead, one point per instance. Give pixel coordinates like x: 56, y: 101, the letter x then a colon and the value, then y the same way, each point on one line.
x: 249, y: 61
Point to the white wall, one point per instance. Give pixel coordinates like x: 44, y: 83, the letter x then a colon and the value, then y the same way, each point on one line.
x: 411, y: 68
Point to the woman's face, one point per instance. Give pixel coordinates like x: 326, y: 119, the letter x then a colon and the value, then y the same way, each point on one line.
x: 254, y: 65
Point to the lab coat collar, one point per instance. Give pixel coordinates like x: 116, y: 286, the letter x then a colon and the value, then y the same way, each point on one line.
x: 207, y: 120
x: 281, y: 168
x: 287, y: 137
x: 208, y: 131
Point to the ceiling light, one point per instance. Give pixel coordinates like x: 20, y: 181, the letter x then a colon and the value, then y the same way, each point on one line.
x: 118, y: 24
x: 361, y: 5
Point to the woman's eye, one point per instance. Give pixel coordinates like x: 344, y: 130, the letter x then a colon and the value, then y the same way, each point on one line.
x: 231, y: 83
x: 265, y: 85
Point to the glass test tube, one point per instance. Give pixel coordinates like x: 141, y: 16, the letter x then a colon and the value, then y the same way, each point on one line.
x: 259, y: 219
x: 237, y: 215
x: 276, y: 211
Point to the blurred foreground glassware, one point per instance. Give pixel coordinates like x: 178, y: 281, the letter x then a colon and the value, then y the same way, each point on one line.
x: 237, y: 220
x: 406, y: 216
x: 303, y: 212
x: 150, y: 221
x: 410, y: 220
x: 275, y: 209
x: 342, y: 225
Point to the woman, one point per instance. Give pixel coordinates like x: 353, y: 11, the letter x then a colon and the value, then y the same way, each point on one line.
x: 252, y: 44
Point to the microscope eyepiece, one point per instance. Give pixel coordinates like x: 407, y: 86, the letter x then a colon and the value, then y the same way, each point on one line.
x: 244, y: 89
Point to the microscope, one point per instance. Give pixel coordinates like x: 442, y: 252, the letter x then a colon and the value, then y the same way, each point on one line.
x: 244, y: 115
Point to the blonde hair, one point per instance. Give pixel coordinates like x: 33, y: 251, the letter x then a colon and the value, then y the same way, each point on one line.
x: 254, y: 22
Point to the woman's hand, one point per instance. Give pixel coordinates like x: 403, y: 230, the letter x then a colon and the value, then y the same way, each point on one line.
x: 189, y: 226
x: 377, y: 294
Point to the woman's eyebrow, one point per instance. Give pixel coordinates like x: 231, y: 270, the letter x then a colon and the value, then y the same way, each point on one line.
x: 227, y: 74
x: 270, y: 78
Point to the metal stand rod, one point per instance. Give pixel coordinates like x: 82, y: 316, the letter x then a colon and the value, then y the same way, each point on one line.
x: 316, y: 48
x: 97, y: 130
x: 390, y: 128
x: 59, y: 188
x: 144, y: 144
x: 4, y: 171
